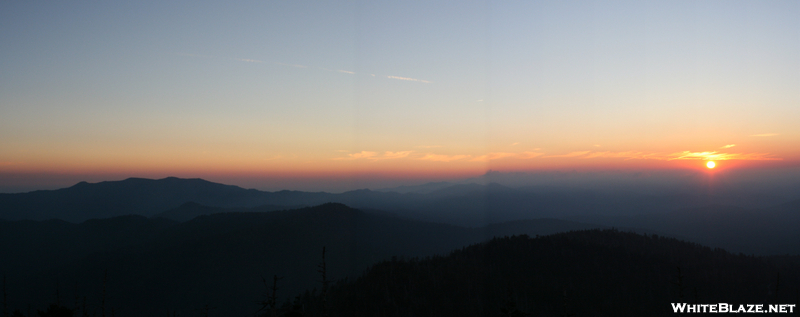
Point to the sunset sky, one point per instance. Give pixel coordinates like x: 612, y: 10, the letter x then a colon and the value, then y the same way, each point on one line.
x: 318, y: 95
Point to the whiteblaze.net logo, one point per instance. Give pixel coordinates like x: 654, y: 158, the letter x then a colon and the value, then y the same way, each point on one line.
x: 729, y: 308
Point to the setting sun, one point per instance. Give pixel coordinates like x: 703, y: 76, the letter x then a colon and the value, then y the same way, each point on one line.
x: 711, y: 164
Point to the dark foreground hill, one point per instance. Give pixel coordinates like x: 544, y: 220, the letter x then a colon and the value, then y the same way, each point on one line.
x: 155, y: 265
x: 763, y: 231
x: 585, y: 273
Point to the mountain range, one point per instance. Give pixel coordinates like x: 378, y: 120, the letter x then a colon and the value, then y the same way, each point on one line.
x: 698, y: 218
x: 143, y: 247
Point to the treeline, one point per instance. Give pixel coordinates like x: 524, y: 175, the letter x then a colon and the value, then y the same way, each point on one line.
x: 582, y: 273
x: 578, y: 273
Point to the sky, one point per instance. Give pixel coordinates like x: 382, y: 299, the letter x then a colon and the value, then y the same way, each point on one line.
x: 332, y: 96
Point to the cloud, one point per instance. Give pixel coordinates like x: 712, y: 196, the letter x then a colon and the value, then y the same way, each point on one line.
x: 684, y: 155
x: 368, y: 155
x: 728, y: 146
x: 716, y: 156
x: 408, y: 79
x: 428, y: 146
x: 626, y: 155
x: 248, y: 60
x: 359, y: 155
x: 395, y: 155
x: 515, y: 143
x: 493, y: 156
x: 501, y: 155
x: 765, y: 134
x: 442, y: 158
x: 529, y: 155
x: 194, y: 55
x: 292, y: 65
x: 573, y: 154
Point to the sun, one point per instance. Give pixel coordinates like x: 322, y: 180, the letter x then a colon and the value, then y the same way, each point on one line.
x: 711, y: 164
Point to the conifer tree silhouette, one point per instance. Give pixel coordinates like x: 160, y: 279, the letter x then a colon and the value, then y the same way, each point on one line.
x: 324, y: 270
x: 55, y: 310
x: 270, y: 298
x: 206, y: 309
x: 5, y: 298
x: 103, y: 299
x: 777, y: 287
x: 680, y: 285
x: 58, y: 296
x: 76, y: 297
x: 566, y: 311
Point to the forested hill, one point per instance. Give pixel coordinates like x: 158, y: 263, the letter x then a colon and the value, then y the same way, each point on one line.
x: 582, y: 273
x: 154, y: 264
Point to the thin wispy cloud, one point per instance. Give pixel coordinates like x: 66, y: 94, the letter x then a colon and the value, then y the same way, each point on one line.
x: 728, y: 146
x: 292, y: 65
x: 685, y: 155
x: 443, y: 158
x: 501, y: 155
x: 194, y: 55
x: 359, y: 155
x: 765, y: 134
x: 717, y: 156
x: 395, y: 155
x: 428, y: 146
x: 338, y: 71
x: 529, y: 155
x: 572, y: 154
x: 582, y: 155
x: 493, y: 156
x: 369, y: 155
x: 629, y: 155
x: 248, y: 60
x: 515, y: 143
x: 408, y: 79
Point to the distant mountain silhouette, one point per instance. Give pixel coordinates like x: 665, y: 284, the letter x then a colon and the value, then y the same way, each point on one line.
x: 191, y: 210
x: 461, y: 204
x: 417, y: 189
x: 218, y: 259
x: 696, y: 218
x: 139, y: 196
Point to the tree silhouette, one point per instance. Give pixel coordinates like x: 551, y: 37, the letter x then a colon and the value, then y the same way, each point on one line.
x: 323, y: 268
x: 270, y: 298
x: 55, y: 310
